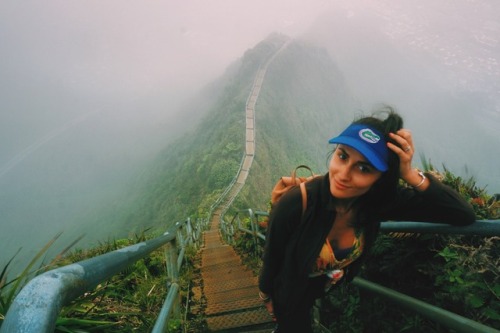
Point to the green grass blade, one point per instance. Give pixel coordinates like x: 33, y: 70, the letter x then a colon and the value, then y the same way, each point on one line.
x: 3, y: 275
x: 26, y: 272
x: 65, y: 250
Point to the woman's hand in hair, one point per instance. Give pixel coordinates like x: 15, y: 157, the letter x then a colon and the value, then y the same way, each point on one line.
x: 405, y: 150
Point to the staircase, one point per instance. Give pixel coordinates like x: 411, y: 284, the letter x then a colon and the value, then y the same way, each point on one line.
x: 230, y: 289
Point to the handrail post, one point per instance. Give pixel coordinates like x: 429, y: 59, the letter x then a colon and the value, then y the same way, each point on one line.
x: 182, y: 244
x: 223, y: 229
x: 254, y: 231
x: 172, y: 271
x: 197, y: 231
x: 231, y: 228
x: 231, y: 233
x: 189, y: 231
x: 226, y: 230
x: 161, y: 322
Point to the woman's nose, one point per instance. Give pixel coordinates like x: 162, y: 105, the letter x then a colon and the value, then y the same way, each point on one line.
x: 344, y: 172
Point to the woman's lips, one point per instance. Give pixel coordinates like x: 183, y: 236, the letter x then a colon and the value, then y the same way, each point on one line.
x: 340, y: 186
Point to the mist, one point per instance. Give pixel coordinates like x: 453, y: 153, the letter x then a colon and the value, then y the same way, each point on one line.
x: 438, y: 63
x: 91, y: 91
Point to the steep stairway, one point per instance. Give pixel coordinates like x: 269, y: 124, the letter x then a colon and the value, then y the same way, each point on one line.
x: 230, y: 289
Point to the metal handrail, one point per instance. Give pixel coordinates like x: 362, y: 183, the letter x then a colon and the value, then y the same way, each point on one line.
x: 449, y: 319
x: 480, y: 228
x: 36, y: 308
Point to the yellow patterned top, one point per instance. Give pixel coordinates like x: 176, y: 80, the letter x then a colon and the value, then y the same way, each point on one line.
x: 326, y: 261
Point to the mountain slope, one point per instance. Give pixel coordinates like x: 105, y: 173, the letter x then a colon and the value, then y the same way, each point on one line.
x: 303, y: 101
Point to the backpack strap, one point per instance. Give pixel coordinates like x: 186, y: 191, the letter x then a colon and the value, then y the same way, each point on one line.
x: 304, y: 196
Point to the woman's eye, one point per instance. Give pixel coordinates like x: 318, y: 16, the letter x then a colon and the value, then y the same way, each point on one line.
x: 342, y: 156
x: 365, y: 169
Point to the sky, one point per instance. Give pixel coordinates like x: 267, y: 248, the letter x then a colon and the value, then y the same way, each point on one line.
x: 438, y: 63
x: 91, y: 88
x: 62, y: 59
x: 131, y: 47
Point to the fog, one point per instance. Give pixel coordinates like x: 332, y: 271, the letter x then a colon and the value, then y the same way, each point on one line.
x: 438, y: 62
x: 91, y: 90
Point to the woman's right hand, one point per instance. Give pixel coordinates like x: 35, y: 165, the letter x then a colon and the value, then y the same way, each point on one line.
x: 268, y: 303
x: 270, y: 309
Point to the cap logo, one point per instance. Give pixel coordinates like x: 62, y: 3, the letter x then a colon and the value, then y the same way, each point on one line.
x: 369, y: 136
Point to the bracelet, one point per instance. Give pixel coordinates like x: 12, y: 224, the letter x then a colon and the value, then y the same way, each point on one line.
x: 264, y: 299
x: 421, y: 174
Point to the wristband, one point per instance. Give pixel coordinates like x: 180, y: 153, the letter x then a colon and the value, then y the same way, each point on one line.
x: 264, y: 299
x: 421, y: 174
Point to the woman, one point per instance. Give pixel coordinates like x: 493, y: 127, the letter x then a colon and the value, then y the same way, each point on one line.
x: 310, y: 249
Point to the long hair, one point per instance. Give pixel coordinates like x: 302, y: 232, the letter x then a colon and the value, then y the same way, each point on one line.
x: 385, y: 188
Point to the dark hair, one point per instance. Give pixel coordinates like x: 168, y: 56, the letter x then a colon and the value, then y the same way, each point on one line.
x: 386, y: 121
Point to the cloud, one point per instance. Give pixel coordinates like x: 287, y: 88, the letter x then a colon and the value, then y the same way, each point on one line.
x: 127, y: 46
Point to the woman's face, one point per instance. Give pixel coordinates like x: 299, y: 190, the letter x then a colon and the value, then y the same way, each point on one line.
x: 351, y: 175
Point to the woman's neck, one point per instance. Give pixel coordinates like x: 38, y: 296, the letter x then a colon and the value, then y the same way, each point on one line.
x: 343, y: 206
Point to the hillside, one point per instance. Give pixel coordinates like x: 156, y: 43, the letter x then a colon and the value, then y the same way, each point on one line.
x: 303, y: 102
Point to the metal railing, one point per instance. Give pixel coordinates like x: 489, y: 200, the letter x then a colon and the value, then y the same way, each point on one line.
x: 249, y: 221
x: 36, y: 308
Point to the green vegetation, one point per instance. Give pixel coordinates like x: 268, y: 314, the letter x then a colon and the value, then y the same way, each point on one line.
x: 129, y: 302
x: 302, y: 102
x: 458, y: 273
x: 200, y: 164
x: 9, y: 289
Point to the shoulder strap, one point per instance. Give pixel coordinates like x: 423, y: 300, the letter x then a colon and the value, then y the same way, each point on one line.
x: 303, y: 191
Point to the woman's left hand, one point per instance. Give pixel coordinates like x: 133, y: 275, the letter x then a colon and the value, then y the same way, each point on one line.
x: 405, y: 150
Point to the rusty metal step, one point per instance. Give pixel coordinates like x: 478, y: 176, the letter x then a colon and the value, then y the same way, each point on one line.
x: 242, y: 320
x: 230, y: 285
x: 230, y: 289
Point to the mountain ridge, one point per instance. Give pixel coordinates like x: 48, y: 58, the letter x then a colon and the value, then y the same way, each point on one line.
x: 303, y: 101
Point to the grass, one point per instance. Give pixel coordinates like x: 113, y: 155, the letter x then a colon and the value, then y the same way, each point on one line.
x: 128, y: 302
x: 9, y: 289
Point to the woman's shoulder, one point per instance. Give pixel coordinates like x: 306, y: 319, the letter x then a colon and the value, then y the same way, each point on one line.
x: 316, y: 182
x: 318, y: 186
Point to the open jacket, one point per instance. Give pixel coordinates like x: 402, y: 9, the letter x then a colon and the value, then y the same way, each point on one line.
x: 294, y: 238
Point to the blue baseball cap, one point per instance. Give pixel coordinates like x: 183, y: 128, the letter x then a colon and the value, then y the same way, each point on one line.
x: 368, y: 141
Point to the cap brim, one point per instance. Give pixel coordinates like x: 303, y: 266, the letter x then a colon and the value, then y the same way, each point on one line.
x: 364, y: 149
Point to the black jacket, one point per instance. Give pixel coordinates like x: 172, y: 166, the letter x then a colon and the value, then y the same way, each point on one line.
x: 294, y: 240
